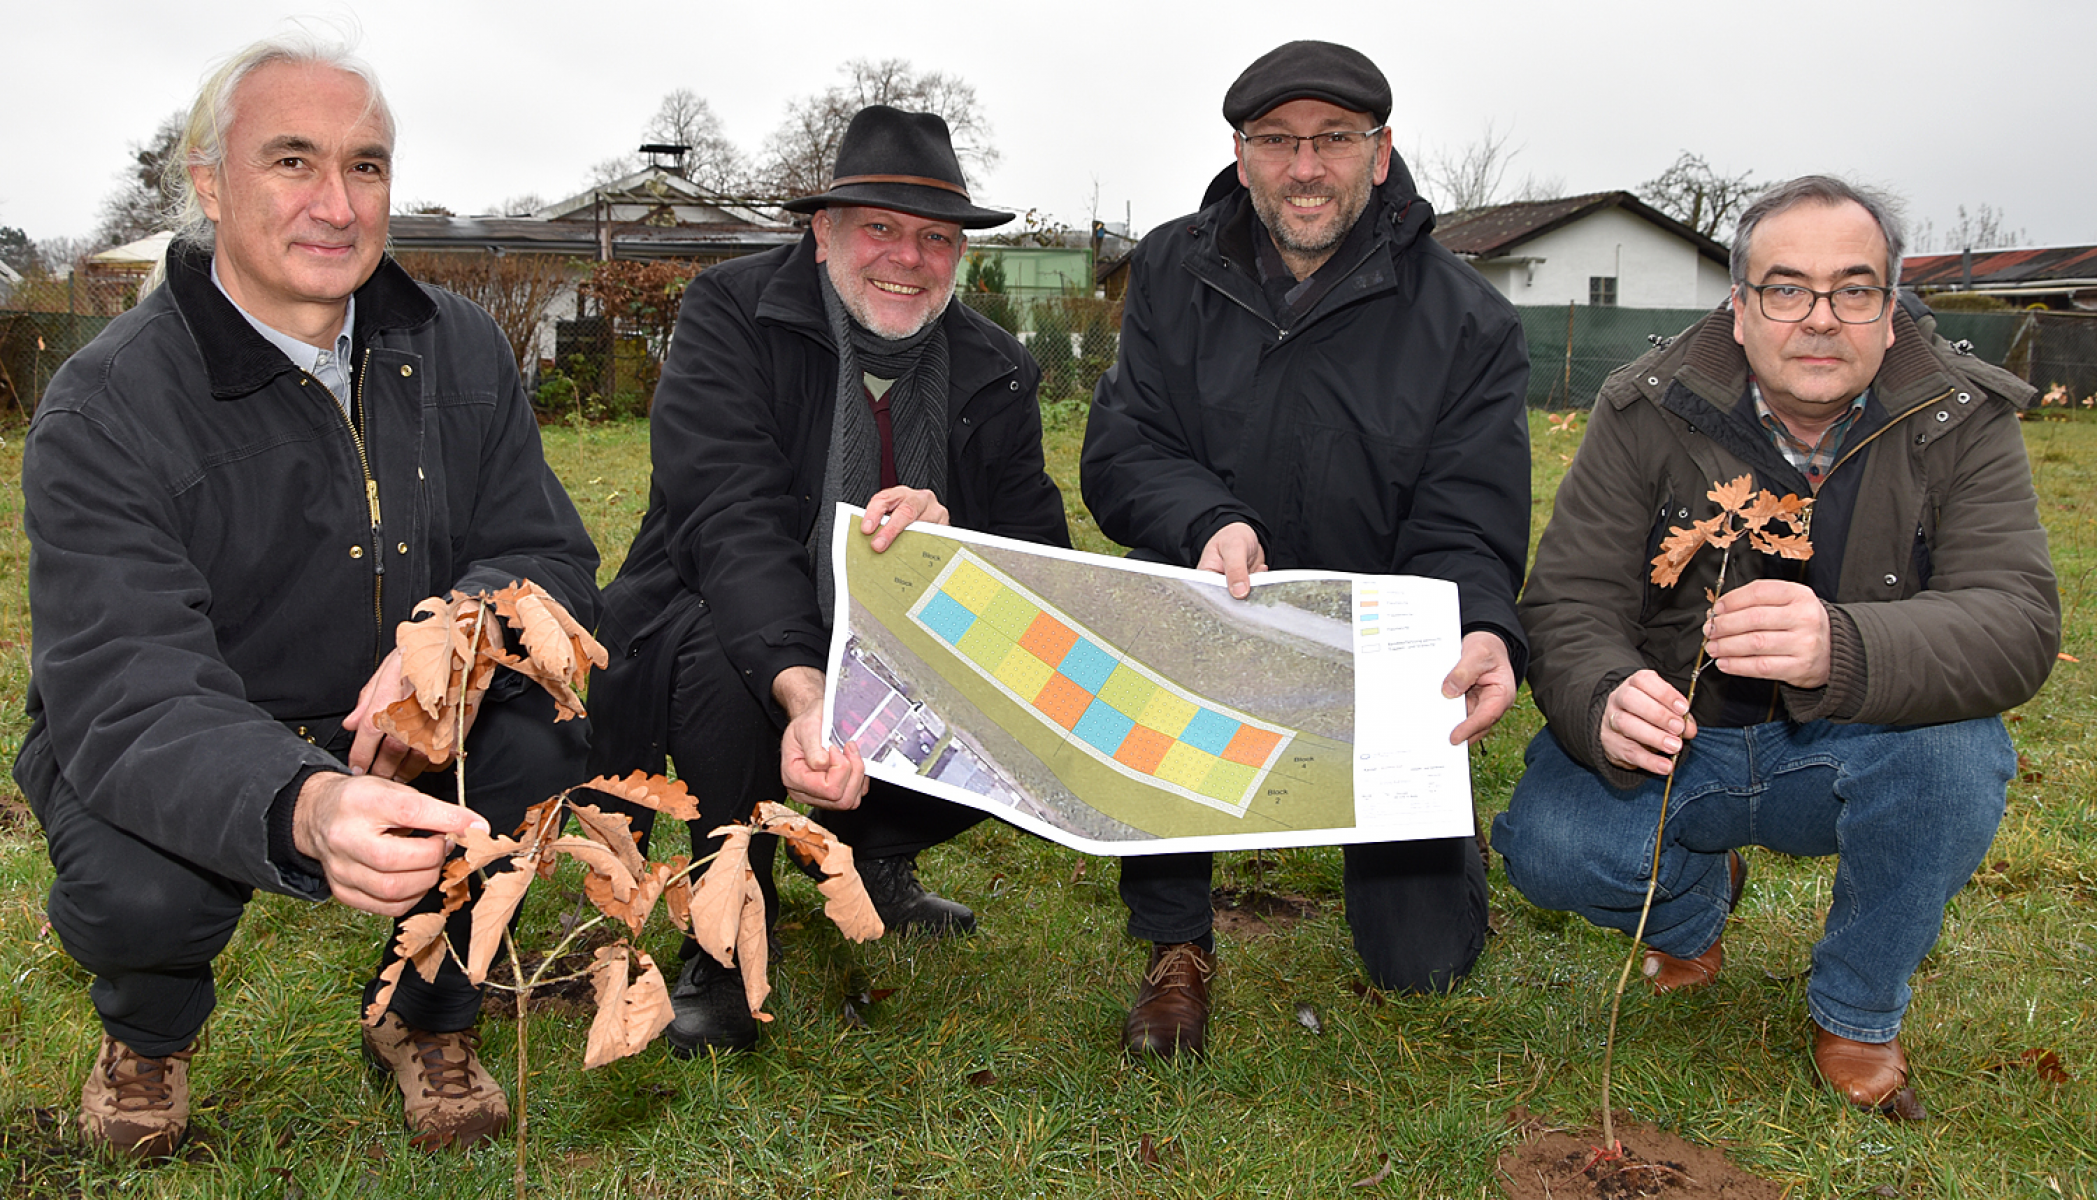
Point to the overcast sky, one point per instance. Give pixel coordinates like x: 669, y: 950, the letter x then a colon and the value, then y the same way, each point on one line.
x: 1945, y: 102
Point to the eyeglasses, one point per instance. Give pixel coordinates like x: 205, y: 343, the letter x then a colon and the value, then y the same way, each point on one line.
x: 1335, y: 145
x: 1857, y: 305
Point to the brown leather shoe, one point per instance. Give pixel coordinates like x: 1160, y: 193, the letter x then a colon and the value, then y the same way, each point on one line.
x: 1871, y: 1075
x: 448, y: 1096
x: 1668, y: 973
x: 1171, y: 1014
x: 134, y: 1105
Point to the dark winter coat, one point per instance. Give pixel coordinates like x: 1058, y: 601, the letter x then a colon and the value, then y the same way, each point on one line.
x: 218, y: 559
x: 1927, y: 546
x: 739, y: 436
x: 1383, y: 433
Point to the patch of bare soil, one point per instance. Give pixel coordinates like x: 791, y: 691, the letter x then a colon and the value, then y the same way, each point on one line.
x: 15, y: 816
x: 1252, y: 912
x: 1564, y: 1164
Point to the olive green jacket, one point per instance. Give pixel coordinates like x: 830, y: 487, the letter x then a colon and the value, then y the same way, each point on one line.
x: 1927, y: 546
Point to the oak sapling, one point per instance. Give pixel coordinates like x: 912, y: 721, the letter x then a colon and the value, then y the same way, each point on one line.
x: 448, y: 660
x: 1781, y: 527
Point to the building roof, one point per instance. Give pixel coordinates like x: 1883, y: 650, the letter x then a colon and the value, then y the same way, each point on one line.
x: 2048, y: 267
x: 1501, y: 229
x: 580, y: 239
x: 657, y: 189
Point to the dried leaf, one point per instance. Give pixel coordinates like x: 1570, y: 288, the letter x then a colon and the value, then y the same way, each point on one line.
x: 2064, y: 656
x: 427, y: 735
x: 717, y: 901
x: 630, y: 1013
x: 753, y: 948
x: 500, y: 897
x: 678, y: 894
x: 666, y: 796
x: 558, y: 652
x: 602, y: 864
x: 389, y: 979
x: 1733, y: 497
x: 1787, y: 545
x: 427, y: 644
x: 982, y: 1078
x: 615, y: 832
x: 421, y: 941
x: 846, y: 903
x: 1382, y: 1173
x: 2046, y: 1064
x: 1307, y: 1017
x: 1678, y: 547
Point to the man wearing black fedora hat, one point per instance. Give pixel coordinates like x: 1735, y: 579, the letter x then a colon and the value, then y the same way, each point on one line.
x: 1307, y: 380
x: 835, y: 369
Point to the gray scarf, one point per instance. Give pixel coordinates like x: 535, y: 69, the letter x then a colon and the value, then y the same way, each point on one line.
x: 917, y: 407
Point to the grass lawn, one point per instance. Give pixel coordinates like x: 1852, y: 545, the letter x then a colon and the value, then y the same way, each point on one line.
x: 988, y: 1066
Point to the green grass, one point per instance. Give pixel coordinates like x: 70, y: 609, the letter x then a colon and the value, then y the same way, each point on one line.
x: 990, y: 1069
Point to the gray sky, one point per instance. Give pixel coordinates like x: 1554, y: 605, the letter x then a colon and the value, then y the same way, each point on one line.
x: 1937, y: 100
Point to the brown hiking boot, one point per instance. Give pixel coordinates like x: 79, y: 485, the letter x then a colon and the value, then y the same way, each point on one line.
x: 136, y: 1106
x: 449, y: 1098
x: 1171, y: 1014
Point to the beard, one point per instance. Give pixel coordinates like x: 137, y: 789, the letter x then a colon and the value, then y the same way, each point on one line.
x: 853, y: 289
x: 1349, y: 201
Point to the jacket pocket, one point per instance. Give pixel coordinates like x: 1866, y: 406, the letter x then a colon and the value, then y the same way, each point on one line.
x: 1353, y: 493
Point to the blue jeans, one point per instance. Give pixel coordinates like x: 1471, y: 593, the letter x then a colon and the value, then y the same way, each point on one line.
x: 1908, y: 810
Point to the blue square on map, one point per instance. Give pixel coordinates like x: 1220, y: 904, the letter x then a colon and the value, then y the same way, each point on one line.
x: 1103, y: 728
x: 1087, y: 665
x: 944, y: 616
x: 1210, y: 730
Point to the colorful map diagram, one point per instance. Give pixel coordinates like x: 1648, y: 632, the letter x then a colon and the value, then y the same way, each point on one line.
x: 1104, y: 703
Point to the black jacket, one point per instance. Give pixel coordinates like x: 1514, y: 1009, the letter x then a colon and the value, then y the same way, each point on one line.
x: 1382, y: 433
x: 739, y: 435
x: 207, y: 584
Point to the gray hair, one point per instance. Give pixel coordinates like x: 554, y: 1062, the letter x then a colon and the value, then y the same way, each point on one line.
x: 203, y: 141
x: 1821, y: 189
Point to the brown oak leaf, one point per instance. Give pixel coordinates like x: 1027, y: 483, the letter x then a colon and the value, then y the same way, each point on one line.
x: 614, y: 831
x: 721, y: 894
x: 421, y: 942
x: 666, y: 796
x: 677, y: 894
x: 630, y: 1012
x: 1734, y: 496
x: 500, y: 897
x: 428, y: 643
x: 847, y: 904
x: 1783, y: 545
x: 752, y: 949
x: 609, y: 882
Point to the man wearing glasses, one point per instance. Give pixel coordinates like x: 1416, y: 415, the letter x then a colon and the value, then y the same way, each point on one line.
x: 1307, y: 380
x: 1847, y: 704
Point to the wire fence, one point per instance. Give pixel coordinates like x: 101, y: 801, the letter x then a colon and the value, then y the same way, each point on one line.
x: 1572, y: 348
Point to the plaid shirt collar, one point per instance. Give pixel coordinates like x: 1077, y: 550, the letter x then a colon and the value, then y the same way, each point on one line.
x: 1812, y: 461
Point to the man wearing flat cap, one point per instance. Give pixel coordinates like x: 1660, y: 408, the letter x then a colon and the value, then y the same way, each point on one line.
x: 1306, y: 380
x: 836, y: 369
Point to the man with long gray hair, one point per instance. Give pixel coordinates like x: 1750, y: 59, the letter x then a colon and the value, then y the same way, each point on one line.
x: 1845, y: 703
x: 233, y: 497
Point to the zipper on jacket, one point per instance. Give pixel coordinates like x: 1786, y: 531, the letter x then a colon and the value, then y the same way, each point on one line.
x: 1875, y: 434
x: 371, y: 503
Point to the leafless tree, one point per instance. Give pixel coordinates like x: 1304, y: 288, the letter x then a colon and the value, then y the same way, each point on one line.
x: 140, y: 206
x: 1694, y: 193
x: 1985, y: 228
x: 611, y: 170
x: 519, y: 206
x: 1470, y: 176
x: 798, y: 156
x: 712, y: 161
x: 516, y: 289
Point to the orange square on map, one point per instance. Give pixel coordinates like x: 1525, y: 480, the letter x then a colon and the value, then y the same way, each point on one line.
x: 1048, y: 639
x: 1062, y: 701
x: 1251, y: 746
x: 1143, y: 749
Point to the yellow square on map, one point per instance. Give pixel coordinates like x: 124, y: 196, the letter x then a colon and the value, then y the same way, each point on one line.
x: 1012, y: 613
x: 1023, y: 673
x: 1227, y: 781
x: 1186, y: 766
x: 1127, y: 690
x: 1167, y: 713
x: 972, y: 586
x: 984, y: 645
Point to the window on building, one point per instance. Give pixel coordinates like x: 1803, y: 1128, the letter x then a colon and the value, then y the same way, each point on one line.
x: 1601, y: 291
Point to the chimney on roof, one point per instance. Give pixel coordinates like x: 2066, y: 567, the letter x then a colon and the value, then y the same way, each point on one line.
x: 1966, y: 269
x: 675, y: 152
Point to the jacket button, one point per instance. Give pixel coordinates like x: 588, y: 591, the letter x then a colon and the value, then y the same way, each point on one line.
x: 1681, y: 514
x: 1891, y: 580
x: 406, y: 370
x: 1922, y: 439
x: 1014, y: 385
x: 1965, y: 396
x: 1942, y: 416
x: 964, y: 420
x: 356, y: 552
x: 1654, y: 380
x: 403, y: 547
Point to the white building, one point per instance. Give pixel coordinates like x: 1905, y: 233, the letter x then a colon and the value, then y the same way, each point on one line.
x: 1605, y: 248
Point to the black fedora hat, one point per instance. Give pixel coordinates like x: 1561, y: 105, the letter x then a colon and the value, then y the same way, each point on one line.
x: 904, y: 161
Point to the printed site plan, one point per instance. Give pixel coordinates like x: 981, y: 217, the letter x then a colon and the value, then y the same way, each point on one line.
x: 1121, y: 707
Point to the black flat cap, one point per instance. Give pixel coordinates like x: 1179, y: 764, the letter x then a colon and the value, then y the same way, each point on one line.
x: 1308, y: 71
x: 903, y: 161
